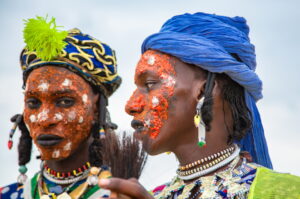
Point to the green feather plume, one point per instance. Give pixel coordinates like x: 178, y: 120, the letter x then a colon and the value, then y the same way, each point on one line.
x: 44, y: 38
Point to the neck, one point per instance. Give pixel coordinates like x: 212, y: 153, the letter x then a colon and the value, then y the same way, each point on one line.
x: 216, y: 141
x: 77, y: 159
x: 191, y: 152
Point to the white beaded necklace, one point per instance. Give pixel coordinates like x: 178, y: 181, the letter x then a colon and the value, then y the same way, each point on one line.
x: 66, y: 181
x: 213, y: 168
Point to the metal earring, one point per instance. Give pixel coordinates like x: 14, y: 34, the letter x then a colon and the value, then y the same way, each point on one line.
x: 22, y: 177
x: 200, y: 124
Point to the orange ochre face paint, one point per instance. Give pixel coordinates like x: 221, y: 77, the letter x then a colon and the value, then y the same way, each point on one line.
x: 58, y: 110
x: 150, y: 104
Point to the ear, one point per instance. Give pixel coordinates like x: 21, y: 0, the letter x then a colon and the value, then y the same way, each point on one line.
x: 95, y: 103
x: 216, y: 92
x: 198, y: 89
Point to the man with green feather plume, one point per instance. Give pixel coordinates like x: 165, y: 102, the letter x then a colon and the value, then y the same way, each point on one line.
x: 68, y: 77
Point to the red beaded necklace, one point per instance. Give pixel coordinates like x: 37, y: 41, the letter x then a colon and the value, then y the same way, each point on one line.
x: 70, y: 174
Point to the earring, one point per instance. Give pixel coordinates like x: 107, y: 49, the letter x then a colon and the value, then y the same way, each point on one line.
x: 200, y: 124
x: 22, y: 177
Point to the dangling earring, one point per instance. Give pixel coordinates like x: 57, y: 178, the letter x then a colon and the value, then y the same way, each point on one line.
x: 22, y: 177
x: 200, y: 124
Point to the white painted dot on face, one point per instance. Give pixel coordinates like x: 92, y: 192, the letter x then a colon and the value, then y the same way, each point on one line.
x: 55, y: 154
x: 32, y: 118
x: 151, y: 60
x: 84, y: 98
x: 148, y: 122
x: 43, y: 86
x: 168, y: 80
x: 80, y: 120
x: 67, y: 82
x: 155, y: 101
x: 71, y: 116
x: 58, y: 116
x: 67, y: 147
x: 42, y: 116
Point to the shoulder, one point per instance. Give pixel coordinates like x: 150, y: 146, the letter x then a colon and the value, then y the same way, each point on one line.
x: 18, y: 191
x: 13, y: 191
x: 167, y: 188
x: 268, y: 183
x: 157, y: 190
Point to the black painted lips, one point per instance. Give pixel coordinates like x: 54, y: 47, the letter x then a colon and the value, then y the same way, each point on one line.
x: 137, y: 125
x: 49, y: 140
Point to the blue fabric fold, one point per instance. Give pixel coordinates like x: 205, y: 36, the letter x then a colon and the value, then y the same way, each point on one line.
x: 210, y: 41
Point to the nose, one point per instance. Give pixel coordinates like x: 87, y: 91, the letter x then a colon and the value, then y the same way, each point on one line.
x: 45, y: 119
x: 135, y: 104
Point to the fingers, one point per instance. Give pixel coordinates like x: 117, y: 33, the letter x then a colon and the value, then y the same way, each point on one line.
x: 119, y: 196
x: 129, y: 188
x: 134, y: 180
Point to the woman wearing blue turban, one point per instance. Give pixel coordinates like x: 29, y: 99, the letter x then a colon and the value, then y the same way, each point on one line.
x: 196, y: 97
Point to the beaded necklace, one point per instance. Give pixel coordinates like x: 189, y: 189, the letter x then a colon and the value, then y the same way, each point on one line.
x: 205, y: 159
x: 65, y: 175
x: 77, y: 186
x: 209, y: 167
x: 207, y: 185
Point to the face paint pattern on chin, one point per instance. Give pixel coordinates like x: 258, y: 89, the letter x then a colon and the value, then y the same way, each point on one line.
x: 154, y: 103
x: 55, y: 115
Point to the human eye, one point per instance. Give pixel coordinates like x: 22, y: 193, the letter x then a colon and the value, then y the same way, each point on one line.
x: 65, y: 102
x: 33, y: 103
x: 149, y: 84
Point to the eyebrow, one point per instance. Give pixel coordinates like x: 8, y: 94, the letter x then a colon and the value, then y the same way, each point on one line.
x: 147, y: 72
x: 59, y: 92
x: 65, y: 91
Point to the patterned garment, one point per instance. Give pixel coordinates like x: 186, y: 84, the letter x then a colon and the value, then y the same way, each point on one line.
x: 12, y: 191
x: 226, y: 184
x: 29, y: 191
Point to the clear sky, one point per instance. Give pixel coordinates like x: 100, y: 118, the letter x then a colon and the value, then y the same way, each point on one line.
x: 274, y: 30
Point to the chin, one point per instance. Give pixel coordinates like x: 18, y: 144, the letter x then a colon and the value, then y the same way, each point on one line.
x: 54, y: 154
x: 152, y: 145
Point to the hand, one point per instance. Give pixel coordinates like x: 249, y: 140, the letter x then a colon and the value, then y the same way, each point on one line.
x: 125, y: 189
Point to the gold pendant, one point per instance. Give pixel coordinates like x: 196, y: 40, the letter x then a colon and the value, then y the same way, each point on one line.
x: 197, y: 119
x: 64, y: 195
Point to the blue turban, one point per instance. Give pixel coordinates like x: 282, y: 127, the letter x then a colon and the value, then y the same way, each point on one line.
x: 218, y: 44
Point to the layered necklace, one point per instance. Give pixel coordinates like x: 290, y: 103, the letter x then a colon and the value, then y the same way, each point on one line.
x: 63, y: 178
x: 208, y: 164
x: 76, y: 182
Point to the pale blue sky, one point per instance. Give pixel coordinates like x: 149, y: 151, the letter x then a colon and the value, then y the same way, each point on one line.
x: 274, y: 29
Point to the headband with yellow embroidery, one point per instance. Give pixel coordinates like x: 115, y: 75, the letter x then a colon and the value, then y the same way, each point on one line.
x: 91, y: 59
